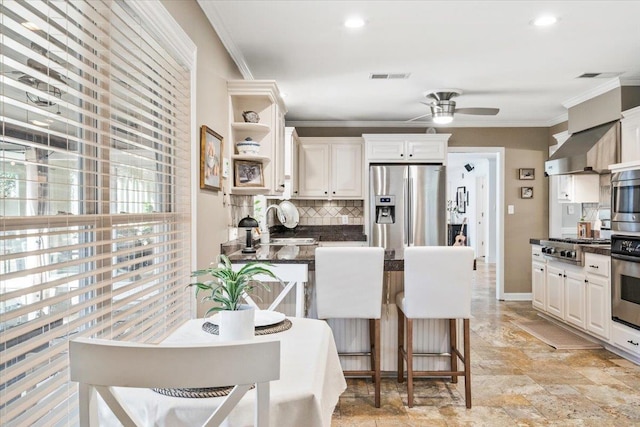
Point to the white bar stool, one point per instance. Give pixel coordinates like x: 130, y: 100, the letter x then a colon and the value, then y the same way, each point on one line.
x: 349, y: 286
x: 437, y: 285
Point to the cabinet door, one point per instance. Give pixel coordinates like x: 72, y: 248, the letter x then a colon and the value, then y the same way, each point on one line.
x: 346, y: 170
x: 575, y: 298
x: 630, y: 136
x: 386, y: 150
x: 555, y: 291
x: 426, y: 150
x: 295, y: 166
x: 598, y: 306
x: 538, y: 284
x: 279, y: 172
x: 313, y: 170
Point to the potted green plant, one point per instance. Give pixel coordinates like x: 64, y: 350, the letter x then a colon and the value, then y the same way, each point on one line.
x: 235, y: 320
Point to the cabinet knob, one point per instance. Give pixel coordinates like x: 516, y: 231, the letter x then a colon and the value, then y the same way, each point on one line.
x: 295, y: 192
x: 334, y: 192
x: 401, y: 155
x: 282, y: 185
x: 325, y: 192
x: 560, y: 274
x: 410, y: 155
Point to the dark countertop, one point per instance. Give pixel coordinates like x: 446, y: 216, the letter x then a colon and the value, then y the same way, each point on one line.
x: 303, y: 254
x: 300, y: 254
x: 593, y: 249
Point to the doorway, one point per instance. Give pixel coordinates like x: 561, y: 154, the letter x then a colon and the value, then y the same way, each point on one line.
x: 479, y: 173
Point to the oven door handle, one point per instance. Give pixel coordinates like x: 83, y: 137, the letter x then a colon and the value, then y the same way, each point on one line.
x: 625, y: 258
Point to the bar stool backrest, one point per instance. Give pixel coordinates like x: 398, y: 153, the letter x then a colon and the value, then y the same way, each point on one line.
x: 349, y: 282
x: 437, y: 282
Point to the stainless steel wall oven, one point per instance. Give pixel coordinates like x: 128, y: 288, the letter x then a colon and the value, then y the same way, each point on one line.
x: 625, y: 201
x: 625, y: 284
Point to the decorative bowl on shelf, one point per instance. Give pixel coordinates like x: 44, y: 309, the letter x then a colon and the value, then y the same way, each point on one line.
x: 250, y: 116
x: 248, y: 146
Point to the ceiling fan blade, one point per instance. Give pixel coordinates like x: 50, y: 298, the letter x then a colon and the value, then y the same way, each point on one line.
x: 478, y: 111
x: 419, y: 117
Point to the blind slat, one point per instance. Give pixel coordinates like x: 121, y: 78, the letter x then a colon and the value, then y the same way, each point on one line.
x: 95, y: 188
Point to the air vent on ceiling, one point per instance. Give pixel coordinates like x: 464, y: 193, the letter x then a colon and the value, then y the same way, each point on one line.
x: 389, y: 76
x: 599, y: 75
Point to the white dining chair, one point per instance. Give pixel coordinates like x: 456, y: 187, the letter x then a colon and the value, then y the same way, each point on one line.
x: 437, y: 285
x: 99, y: 365
x: 349, y: 283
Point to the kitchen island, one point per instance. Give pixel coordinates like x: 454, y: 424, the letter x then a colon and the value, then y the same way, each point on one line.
x: 298, y: 262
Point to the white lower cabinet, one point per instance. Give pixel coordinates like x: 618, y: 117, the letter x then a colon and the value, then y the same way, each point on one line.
x: 626, y: 338
x: 575, y: 283
x: 598, y: 299
x: 555, y: 291
x: 580, y: 296
x: 539, y: 284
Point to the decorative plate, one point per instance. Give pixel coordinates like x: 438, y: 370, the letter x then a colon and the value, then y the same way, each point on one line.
x: 262, y: 318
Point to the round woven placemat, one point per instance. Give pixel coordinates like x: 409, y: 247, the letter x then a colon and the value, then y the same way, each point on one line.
x: 195, y: 392
x: 260, y: 330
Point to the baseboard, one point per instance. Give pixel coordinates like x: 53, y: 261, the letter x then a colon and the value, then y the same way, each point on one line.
x: 517, y: 296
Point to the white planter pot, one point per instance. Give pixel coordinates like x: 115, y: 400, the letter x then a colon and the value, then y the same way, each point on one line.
x: 236, y: 324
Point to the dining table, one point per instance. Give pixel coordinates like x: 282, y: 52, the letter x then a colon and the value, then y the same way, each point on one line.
x: 311, y: 382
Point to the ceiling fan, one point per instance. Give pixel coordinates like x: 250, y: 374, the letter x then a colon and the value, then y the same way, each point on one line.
x: 442, y: 107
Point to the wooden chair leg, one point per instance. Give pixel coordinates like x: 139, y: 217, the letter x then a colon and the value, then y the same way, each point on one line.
x: 376, y: 366
x: 467, y: 363
x: 453, y: 337
x: 400, y: 346
x: 410, y: 362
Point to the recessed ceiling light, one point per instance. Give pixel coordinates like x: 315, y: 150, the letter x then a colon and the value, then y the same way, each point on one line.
x: 30, y: 26
x: 354, y: 22
x: 545, y: 21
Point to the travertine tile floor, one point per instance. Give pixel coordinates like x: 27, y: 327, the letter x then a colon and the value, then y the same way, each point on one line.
x: 517, y: 380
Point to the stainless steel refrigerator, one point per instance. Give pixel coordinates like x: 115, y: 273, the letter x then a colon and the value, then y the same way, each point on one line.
x: 407, y: 206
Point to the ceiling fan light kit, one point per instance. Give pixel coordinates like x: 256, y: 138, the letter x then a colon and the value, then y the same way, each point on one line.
x: 442, y: 108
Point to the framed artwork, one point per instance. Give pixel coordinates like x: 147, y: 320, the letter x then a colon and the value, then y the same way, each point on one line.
x: 461, y: 199
x: 211, y: 146
x: 248, y: 174
x: 526, y: 173
x: 526, y: 192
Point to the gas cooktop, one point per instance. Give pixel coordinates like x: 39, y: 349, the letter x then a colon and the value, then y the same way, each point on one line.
x: 569, y: 249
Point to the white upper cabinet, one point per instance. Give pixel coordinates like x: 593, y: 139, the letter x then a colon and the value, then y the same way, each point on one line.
x: 291, y: 149
x: 330, y: 168
x: 630, y: 138
x: 406, y: 147
x: 263, y: 98
x: 578, y: 188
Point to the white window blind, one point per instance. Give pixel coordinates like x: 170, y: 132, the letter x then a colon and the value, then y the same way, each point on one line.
x: 94, y: 194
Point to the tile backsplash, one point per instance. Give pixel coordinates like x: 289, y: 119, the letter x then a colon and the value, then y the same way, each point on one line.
x: 312, y: 212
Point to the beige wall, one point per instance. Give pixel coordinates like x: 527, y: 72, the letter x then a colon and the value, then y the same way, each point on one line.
x: 214, y: 68
x: 524, y: 148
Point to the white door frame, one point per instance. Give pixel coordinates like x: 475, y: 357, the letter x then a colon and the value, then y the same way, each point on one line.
x: 481, y: 217
x: 500, y: 154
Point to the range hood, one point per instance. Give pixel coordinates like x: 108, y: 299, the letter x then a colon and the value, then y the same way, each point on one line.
x: 588, y: 151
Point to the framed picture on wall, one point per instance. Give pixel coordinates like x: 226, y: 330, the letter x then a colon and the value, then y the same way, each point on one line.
x: 527, y: 173
x: 526, y: 192
x: 211, y: 145
x: 248, y: 174
x: 461, y: 199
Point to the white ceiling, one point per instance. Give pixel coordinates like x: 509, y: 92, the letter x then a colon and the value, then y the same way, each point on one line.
x: 488, y: 49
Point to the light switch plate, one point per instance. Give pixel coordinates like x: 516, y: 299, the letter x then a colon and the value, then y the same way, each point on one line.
x: 225, y: 168
x: 511, y: 209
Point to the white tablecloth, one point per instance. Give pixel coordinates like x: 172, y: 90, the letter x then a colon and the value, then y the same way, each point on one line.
x: 306, y: 394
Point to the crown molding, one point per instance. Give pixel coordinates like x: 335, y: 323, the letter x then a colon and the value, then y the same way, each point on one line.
x: 564, y: 117
x: 630, y: 81
x: 166, y: 30
x: 403, y: 124
x: 598, y: 90
x: 217, y: 23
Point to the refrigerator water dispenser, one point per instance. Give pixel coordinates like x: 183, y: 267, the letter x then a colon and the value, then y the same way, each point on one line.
x: 385, y: 209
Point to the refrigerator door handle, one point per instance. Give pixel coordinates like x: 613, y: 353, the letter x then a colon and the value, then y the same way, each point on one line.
x: 409, y: 214
x: 406, y: 211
